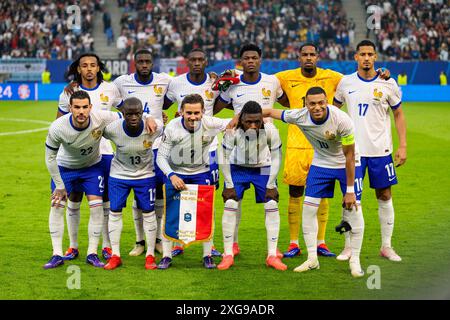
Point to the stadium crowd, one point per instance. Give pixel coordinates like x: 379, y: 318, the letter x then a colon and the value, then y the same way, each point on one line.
x: 39, y: 29
x: 222, y: 26
x: 412, y: 30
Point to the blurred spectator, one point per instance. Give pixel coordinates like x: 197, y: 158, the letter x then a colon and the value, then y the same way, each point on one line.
x: 40, y: 29
x: 402, y: 79
x: 412, y: 29
x: 172, y: 27
x: 46, y: 76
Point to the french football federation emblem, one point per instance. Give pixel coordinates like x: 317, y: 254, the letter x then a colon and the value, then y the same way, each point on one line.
x: 96, y: 134
x: 158, y: 90
x: 147, y: 144
x: 209, y: 95
x: 187, y: 217
x: 266, y: 93
x: 329, y: 135
x: 104, y: 98
x: 377, y: 94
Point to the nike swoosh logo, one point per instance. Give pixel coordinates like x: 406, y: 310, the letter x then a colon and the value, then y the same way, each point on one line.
x: 390, y: 224
x: 227, y: 237
x: 111, y: 231
x: 274, y: 239
x: 358, y: 194
x: 131, y: 92
x: 294, y: 85
x: 240, y: 95
x: 390, y: 179
x: 350, y: 92
x: 183, y: 95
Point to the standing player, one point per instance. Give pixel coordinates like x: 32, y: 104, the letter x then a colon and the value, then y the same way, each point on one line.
x: 191, y: 134
x: 132, y: 168
x: 330, y: 131
x: 253, y: 86
x: 77, y: 167
x: 299, y: 152
x: 150, y: 88
x: 199, y: 82
x: 369, y: 100
x: 87, y: 72
x: 251, y: 155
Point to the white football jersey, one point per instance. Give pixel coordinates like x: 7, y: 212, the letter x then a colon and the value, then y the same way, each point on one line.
x: 80, y: 148
x: 181, y: 86
x: 134, y: 156
x: 250, y: 149
x: 266, y: 90
x: 104, y: 96
x: 186, y: 152
x: 368, y: 104
x: 325, y: 137
x: 151, y: 93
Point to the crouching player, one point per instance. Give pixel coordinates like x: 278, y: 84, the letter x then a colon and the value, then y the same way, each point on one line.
x: 132, y: 168
x: 331, y: 133
x: 184, y: 157
x: 77, y: 167
x: 251, y: 154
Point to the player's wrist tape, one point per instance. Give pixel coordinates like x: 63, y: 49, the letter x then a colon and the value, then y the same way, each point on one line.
x: 350, y: 189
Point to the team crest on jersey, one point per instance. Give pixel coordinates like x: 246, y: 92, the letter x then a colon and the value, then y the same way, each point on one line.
x: 329, y: 135
x: 158, y: 91
x: 209, y: 95
x: 96, y: 134
x: 377, y: 94
x: 147, y: 144
x: 266, y: 93
x: 104, y: 98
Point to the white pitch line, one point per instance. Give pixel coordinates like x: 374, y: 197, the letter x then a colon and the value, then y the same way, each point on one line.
x: 24, y: 131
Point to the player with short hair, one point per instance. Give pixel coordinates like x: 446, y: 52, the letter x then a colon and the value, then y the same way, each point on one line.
x: 132, y: 168
x: 253, y: 86
x: 150, y: 87
x: 87, y: 71
x: 331, y: 133
x: 199, y: 82
x: 369, y: 101
x: 191, y: 134
x: 77, y: 167
x: 251, y: 155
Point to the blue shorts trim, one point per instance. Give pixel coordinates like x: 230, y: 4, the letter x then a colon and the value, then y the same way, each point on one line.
x: 144, y: 193
x: 243, y: 176
x: 381, y: 171
x: 88, y: 180
x: 214, y: 168
x: 320, y: 182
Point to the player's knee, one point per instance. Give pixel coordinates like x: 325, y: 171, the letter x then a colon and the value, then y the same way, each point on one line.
x: 231, y: 204
x: 73, y: 205
x: 271, y: 204
x: 115, y: 215
x: 384, y: 194
x: 106, y: 205
x: 76, y: 196
x: 296, y: 191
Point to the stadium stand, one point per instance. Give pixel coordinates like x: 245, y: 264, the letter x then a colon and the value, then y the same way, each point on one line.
x: 221, y: 27
x: 413, y: 30
x: 39, y: 29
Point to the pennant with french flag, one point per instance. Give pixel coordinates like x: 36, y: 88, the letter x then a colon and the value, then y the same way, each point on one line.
x: 189, y: 214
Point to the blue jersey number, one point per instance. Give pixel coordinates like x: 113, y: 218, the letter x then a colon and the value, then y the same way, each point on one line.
x: 146, y: 108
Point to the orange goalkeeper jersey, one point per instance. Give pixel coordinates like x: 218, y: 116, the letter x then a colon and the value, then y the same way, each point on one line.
x: 295, y: 85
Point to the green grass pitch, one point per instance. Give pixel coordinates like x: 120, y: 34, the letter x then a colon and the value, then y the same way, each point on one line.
x: 421, y: 234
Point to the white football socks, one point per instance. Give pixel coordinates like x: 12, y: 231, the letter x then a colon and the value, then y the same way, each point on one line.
x: 95, y: 225
x: 228, y: 225
x: 56, y: 227
x: 272, y: 226
x: 150, y: 229
x: 115, y: 226
x: 238, y: 221
x: 73, y: 222
x: 386, y: 216
x: 356, y: 220
x: 106, y: 243
x: 310, y: 225
x: 138, y: 222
